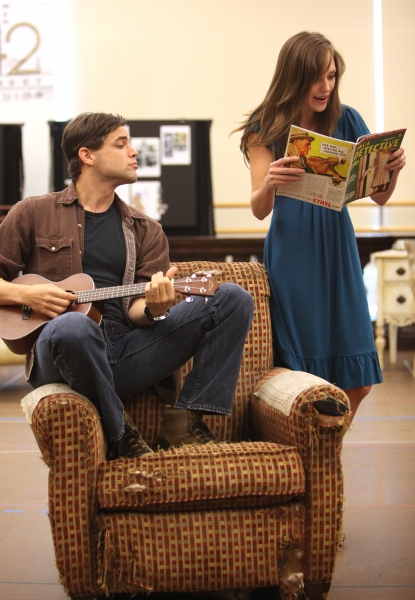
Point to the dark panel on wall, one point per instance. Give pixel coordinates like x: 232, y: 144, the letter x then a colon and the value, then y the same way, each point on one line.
x: 186, y: 188
x: 11, y: 165
x: 59, y: 169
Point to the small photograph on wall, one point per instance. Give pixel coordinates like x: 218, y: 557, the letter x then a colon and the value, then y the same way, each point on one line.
x: 175, y: 145
x: 147, y: 196
x: 148, y: 156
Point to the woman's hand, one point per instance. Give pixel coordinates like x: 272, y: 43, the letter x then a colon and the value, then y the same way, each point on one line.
x: 397, y: 161
x: 281, y: 172
x: 266, y: 176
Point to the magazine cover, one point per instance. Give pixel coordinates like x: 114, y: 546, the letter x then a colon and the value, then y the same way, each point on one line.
x: 368, y: 175
x: 336, y: 171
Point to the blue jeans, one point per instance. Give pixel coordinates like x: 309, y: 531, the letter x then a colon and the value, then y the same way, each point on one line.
x: 111, y: 361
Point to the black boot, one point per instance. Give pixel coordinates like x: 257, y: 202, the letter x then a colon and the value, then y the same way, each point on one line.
x: 131, y: 445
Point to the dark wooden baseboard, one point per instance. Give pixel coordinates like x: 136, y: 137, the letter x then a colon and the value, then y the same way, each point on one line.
x: 216, y: 249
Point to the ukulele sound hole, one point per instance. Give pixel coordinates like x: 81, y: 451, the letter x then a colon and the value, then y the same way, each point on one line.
x: 72, y: 301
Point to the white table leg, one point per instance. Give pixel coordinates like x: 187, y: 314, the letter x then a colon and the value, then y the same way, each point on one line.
x: 380, y: 342
x: 393, y: 342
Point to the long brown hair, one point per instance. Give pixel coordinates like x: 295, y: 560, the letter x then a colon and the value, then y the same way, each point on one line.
x: 301, y: 61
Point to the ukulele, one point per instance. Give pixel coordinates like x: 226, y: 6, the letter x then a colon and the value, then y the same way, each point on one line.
x: 20, y: 326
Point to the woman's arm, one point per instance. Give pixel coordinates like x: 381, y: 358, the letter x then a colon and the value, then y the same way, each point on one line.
x: 396, y: 164
x: 266, y: 176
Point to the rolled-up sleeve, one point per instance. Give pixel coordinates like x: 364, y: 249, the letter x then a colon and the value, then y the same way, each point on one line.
x: 15, y: 241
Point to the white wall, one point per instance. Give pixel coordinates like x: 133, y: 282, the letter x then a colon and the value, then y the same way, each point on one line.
x: 214, y: 60
x: 198, y: 59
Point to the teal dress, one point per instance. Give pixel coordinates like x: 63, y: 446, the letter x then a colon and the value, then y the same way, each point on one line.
x: 319, y: 310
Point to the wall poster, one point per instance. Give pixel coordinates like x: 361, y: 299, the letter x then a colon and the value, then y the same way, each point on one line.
x: 176, y: 145
x: 148, y: 156
x: 26, y: 50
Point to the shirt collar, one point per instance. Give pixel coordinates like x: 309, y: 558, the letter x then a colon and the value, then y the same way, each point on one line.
x: 69, y: 195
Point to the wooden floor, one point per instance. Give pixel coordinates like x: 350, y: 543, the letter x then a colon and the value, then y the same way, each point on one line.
x: 378, y: 561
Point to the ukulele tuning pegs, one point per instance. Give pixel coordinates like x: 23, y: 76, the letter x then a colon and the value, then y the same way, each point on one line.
x: 205, y: 300
x: 189, y: 299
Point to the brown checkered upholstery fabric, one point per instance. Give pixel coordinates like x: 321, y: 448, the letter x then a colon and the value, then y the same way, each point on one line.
x: 186, y: 549
x: 68, y: 431
x: 196, y: 551
x: 193, y: 477
x: 146, y: 410
x: 257, y: 358
x: 319, y: 441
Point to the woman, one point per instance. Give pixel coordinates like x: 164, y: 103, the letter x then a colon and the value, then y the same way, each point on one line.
x: 319, y: 310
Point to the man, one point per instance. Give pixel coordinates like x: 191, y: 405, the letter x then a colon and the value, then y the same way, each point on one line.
x: 140, y: 340
x: 300, y: 145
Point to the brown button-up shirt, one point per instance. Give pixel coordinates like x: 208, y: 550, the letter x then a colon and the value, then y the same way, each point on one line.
x: 45, y: 235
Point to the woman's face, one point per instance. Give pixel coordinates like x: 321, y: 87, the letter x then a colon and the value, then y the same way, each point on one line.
x: 320, y: 91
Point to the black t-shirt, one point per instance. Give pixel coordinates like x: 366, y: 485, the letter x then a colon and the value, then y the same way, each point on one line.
x: 105, y: 255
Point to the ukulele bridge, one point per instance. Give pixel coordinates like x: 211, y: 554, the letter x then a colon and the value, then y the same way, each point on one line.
x: 26, y: 312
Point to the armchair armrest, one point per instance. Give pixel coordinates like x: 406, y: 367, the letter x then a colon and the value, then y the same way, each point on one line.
x: 68, y: 431
x: 288, y: 416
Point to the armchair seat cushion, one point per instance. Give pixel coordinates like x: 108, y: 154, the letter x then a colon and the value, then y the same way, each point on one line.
x: 193, y: 477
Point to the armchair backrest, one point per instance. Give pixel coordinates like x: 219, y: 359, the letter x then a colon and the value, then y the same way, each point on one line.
x: 257, y: 358
x: 146, y: 409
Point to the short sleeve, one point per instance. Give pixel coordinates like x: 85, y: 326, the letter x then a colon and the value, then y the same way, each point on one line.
x: 350, y: 125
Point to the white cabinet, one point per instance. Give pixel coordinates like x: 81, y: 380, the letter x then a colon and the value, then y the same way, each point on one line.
x: 396, y: 304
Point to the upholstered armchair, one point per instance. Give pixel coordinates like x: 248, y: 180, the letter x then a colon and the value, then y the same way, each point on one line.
x: 265, y: 510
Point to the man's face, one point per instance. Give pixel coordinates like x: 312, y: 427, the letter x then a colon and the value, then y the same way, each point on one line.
x: 303, y: 146
x: 115, y: 161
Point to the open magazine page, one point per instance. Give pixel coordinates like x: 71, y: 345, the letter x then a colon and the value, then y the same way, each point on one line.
x: 368, y: 175
x: 327, y: 164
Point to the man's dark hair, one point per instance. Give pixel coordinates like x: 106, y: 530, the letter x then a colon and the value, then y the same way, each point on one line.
x: 87, y: 130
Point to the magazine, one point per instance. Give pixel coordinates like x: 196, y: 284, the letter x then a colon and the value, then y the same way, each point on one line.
x: 336, y: 171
